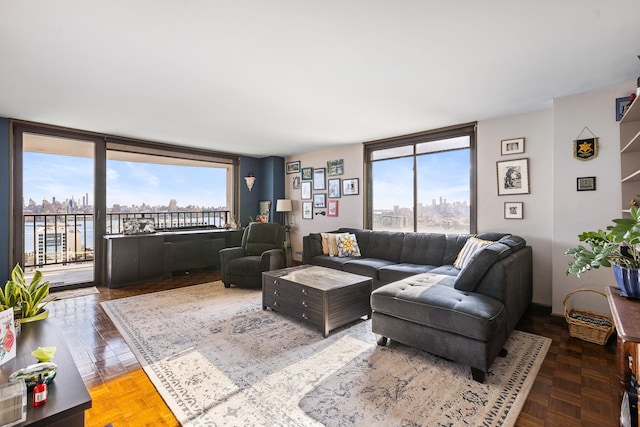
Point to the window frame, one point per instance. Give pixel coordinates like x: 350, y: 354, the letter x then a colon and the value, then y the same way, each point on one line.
x: 370, y: 147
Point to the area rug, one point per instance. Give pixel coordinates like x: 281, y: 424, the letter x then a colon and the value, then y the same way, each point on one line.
x: 217, y: 358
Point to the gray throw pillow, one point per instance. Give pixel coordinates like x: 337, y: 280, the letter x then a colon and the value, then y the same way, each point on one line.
x: 472, y: 274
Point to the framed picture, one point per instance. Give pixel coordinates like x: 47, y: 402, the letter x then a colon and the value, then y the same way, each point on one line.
x: 335, y: 167
x: 586, y: 183
x: 307, y: 174
x: 296, y: 182
x: 307, y: 210
x: 332, y: 209
x: 293, y: 167
x: 513, y: 177
x: 305, y: 190
x: 350, y: 187
x: 320, y: 200
x: 334, y: 188
x: 318, y: 178
x: 621, y: 107
x: 513, y: 210
x: 512, y: 146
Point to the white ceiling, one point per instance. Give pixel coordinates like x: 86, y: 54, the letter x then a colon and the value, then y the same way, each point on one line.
x: 281, y: 77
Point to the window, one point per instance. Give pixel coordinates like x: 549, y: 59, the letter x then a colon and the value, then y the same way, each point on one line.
x: 422, y: 182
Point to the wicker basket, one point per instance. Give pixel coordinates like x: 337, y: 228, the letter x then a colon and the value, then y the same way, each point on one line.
x: 588, y: 326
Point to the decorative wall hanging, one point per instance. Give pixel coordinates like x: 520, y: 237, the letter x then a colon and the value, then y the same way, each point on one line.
x: 350, y: 187
x: 513, y: 210
x: 293, y: 167
x: 305, y: 192
x: 335, y: 167
x: 586, y: 183
x: 334, y: 188
x: 250, y: 180
x: 319, y: 178
x: 307, y: 174
x: 512, y: 146
x: 621, y: 107
x: 513, y: 177
x: 307, y: 210
x: 332, y: 208
x: 585, y: 148
x: 296, y: 182
x: 319, y: 200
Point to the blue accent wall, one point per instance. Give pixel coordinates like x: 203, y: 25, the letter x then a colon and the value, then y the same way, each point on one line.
x: 5, y: 191
x: 269, y: 185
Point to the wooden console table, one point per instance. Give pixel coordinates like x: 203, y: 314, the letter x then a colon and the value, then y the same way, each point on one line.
x: 68, y: 397
x: 626, y: 316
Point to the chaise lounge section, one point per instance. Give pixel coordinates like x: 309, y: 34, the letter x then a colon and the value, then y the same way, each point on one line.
x: 425, y: 296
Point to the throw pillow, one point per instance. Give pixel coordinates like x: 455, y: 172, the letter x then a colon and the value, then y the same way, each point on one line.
x: 471, y: 247
x: 330, y: 243
x: 348, y: 246
x: 325, y: 243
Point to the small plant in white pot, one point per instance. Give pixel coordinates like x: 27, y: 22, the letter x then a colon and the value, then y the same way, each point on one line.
x: 26, y: 298
x: 618, y: 247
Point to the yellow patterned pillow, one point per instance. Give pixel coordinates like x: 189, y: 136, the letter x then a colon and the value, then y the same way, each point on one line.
x: 330, y: 243
x: 472, y: 246
x: 348, y: 246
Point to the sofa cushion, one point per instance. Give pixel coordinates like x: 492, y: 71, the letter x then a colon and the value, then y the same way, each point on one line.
x: 514, y: 242
x: 423, y: 248
x: 393, y: 272
x: 330, y: 243
x: 365, y: 266
x: 330, y: 261
x: 384, y: 245
x: 447, y: 270
x: 473, y: 273
x: 362, y: 236
x: 348, y: 245
x: 470, y: 249
x: 421, y: 299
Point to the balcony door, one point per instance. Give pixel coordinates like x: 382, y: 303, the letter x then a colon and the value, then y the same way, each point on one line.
x: 56, y: 226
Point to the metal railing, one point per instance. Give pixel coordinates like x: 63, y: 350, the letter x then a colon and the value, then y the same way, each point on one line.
x: 69, y: 238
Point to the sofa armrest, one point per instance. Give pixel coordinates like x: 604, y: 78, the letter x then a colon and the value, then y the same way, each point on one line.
x: 311, y: 246
x: 273, y: 259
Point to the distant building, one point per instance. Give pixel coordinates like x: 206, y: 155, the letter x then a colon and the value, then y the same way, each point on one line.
x: 57, y: 245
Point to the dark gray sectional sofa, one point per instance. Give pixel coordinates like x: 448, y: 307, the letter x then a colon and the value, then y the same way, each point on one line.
x: 422, y: 300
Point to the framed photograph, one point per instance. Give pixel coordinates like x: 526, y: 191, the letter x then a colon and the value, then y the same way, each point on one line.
x: 307, y: 174
x: 350, y: 187
x: 318, y: 179
x: 293, y: 167
x: 305, y: 190
x: 512, y: 146
x: 296, y: 182
x: 513, y: 177
x: 332, y: 209
x: 307, y: 210
x: 335, y: 167
x: 334, y: 188
x: 319, y: 201
x: 586, y: 183
x: 513, y: 210
x: 621, y: 107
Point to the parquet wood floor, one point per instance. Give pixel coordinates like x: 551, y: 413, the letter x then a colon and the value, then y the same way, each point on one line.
x: 576, y: 386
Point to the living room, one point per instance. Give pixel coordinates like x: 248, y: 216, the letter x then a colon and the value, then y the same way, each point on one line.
x: 582, y: 99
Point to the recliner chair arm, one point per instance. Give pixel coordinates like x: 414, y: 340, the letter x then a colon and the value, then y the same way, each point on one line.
x: 273, y: 259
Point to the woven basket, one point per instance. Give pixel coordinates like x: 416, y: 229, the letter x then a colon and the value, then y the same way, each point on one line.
x: 588, y: 326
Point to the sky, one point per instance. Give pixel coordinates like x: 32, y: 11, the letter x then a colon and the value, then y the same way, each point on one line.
x: 47, y: 176
x: 393, y: 179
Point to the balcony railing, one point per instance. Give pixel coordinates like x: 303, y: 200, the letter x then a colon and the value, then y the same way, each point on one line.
x: 69, y: 238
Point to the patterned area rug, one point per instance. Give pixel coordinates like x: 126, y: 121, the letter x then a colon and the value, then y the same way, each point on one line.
x: 217, y: 358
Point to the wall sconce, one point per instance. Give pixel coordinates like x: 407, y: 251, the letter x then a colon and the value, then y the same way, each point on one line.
x: 321, y: 213
x: 250, y: 180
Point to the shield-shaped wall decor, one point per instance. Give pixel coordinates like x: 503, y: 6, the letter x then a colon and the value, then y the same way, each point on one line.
x: 585, y: 149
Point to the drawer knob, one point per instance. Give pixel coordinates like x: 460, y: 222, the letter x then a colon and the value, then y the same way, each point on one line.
x: 304, y: 316
x: 275, y: 303
x: 276, y: 293
x: 275, y: 282
x: 304, y: 304
x: 304, y: 291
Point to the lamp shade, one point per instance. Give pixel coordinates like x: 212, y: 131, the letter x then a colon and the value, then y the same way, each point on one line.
x: 283, y: 205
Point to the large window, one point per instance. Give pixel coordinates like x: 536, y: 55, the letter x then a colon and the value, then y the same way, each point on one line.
x: 422, y: 182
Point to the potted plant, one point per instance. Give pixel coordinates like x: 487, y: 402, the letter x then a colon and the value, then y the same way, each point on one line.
x: 616, y: 247
x: 26, y: 298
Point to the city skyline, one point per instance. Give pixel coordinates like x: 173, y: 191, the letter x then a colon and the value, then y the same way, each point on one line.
x: 128, y: 183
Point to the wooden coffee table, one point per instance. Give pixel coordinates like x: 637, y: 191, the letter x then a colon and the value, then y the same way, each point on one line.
x: 322, y: 296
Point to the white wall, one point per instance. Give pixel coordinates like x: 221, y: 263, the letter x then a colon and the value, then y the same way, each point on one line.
x: 536, y: 225
x: 350, y: 208
x: 554, y: 212
x: 575, y: 212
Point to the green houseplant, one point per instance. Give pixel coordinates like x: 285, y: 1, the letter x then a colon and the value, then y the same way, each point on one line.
x: 26, y: 298
x: 617, y: 247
